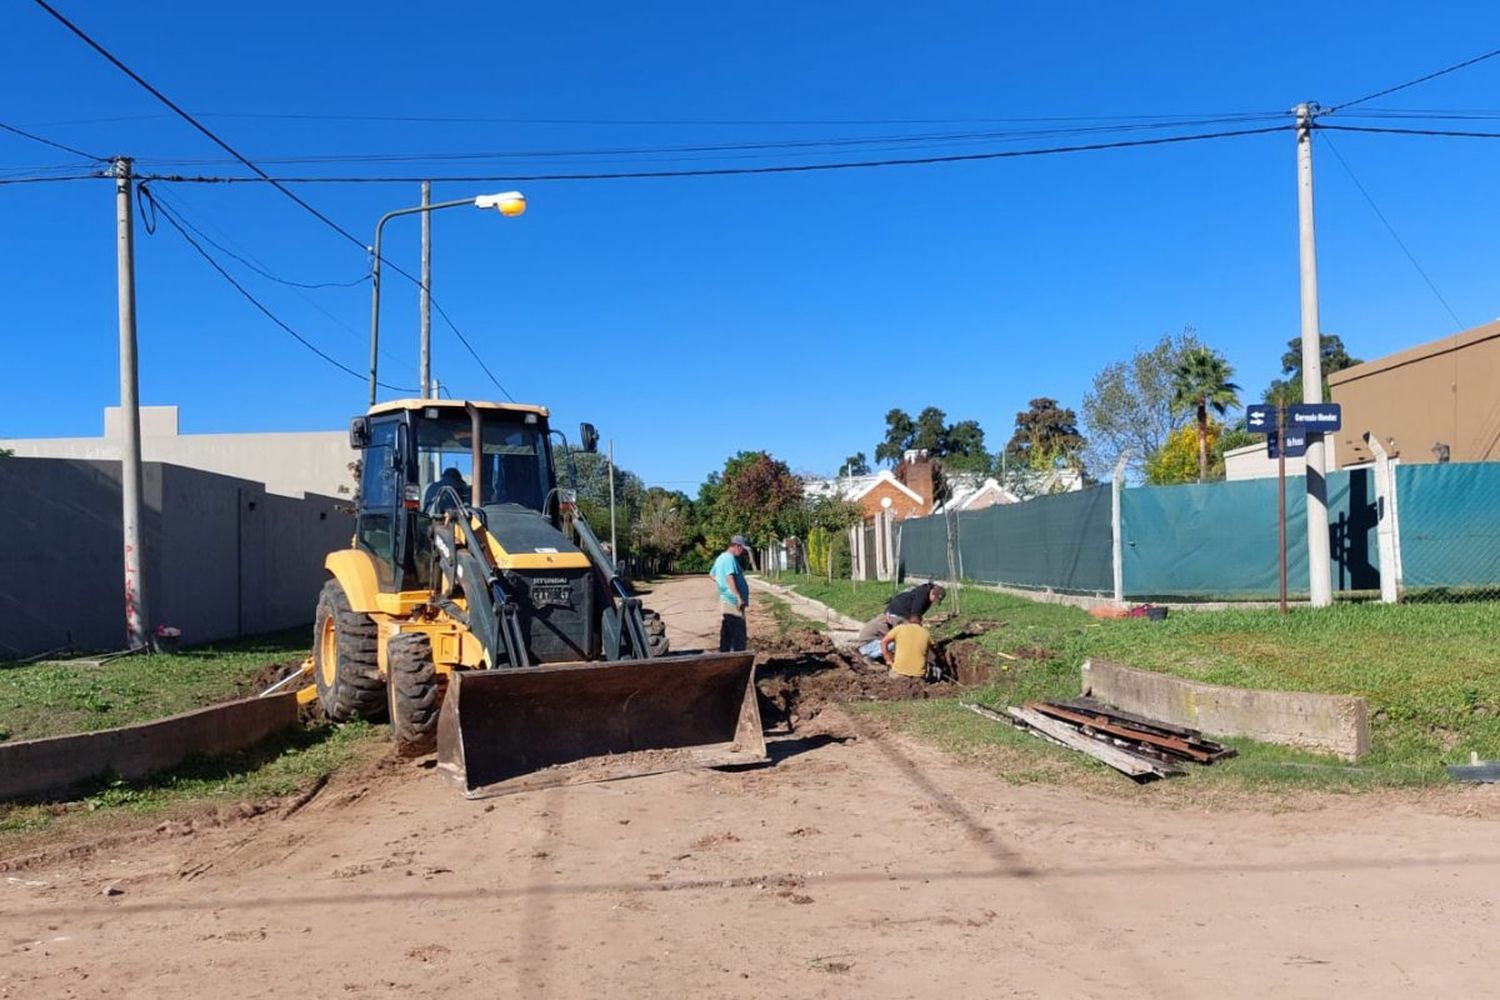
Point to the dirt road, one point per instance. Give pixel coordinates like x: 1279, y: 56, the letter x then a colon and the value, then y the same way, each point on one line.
x: 869, y: 867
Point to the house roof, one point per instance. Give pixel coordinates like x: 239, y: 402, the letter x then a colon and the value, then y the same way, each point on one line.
x: 855, y: 488
x: 1452, y: 342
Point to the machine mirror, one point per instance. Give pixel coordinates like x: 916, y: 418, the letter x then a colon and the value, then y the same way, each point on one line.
x: 359, y: 432
x: 588, y: 437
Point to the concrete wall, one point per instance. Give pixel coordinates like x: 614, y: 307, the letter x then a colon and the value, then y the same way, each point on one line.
x: 1250, y: 462
x: 290, y: 463
x: 1446, y: 391
x: 223, y: 557
x: 33, y: 768
x: 1337, y: 724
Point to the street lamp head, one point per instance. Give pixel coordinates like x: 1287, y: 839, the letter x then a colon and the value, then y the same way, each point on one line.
x: 509, y: 203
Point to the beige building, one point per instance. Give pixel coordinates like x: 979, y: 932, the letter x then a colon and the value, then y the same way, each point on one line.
x: 1424, y: 402
x: 291, y: 463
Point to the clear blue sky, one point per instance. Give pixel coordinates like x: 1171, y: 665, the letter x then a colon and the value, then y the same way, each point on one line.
x: 693, y: 317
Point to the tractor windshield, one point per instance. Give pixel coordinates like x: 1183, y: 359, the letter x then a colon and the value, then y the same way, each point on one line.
x: 514, y: 454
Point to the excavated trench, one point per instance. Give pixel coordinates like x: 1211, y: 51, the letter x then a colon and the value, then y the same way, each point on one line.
x: 801, y: 674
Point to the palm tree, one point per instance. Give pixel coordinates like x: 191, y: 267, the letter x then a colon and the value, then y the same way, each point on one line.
x: 1201, y: 382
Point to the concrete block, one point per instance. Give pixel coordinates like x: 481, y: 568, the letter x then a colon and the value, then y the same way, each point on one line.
x: 1337, y: 724
x: 32, y: 768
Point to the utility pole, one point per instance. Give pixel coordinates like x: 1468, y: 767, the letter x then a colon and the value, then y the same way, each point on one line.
x: 136, y: 617
x: 1319, y: 583
x: 614, y: 549
x: 425, y: 299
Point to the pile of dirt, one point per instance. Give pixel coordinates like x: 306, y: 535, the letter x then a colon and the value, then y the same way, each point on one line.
x: 801, y: 674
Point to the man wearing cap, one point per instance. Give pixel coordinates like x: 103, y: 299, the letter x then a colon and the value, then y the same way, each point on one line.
x: 734, y: 595
x: 908, y: 604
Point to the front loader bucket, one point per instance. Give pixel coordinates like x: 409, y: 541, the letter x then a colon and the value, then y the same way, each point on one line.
x: 509, y: 730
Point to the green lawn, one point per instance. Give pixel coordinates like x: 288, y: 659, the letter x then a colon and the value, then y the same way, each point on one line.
x: 50, y: 699
x: 1431, y: 673
x: 276, y: 767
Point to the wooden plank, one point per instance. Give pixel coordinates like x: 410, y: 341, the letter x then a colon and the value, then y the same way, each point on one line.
x: 1121, y: 760
x: 1193, y: 737
x: 1175, y: 745
x: 1086, y: 704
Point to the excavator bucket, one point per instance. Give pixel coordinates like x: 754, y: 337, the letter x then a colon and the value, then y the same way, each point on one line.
x: 509, y: 730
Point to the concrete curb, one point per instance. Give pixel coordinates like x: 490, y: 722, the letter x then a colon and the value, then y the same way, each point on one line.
x: 1338, y: 724
x: 809, y: 608
x: 32, y: 768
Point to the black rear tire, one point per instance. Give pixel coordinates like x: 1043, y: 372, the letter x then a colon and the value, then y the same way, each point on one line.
x: 346, y: 666
x: 656, y: 633
x: 413, y: 691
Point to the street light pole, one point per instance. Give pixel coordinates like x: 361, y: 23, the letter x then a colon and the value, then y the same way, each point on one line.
x: 424, y: 306
x: 508, y: 203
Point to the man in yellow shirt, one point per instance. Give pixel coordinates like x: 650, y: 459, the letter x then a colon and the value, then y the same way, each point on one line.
x: 905, y: 648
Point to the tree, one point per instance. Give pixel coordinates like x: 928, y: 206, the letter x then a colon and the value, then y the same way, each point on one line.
x: 1045, y: 428
x: 592, y: 484
x: 1129, y: 407
x: 1333, y: 358
x: 855, y: 465
x: 1201, y: 383
x: 1177, y: 460
x: 662, y: 531
x: 931, y: 432
x: 898, y: 434
x: 757, y: 496
x: 965, y: 450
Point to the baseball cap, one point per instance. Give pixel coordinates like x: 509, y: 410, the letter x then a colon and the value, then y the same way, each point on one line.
x: 740, y: 540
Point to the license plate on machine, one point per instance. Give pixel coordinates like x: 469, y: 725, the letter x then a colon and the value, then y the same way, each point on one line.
x: 559, y: 597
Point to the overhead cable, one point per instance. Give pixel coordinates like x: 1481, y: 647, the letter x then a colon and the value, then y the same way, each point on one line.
x: 1412, y: 83
x: 734, y: 171
x: 224, y: 273
x: 1328, y: 141
x: 50, y: 142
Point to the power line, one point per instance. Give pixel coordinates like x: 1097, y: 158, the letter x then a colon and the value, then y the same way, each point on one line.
x: 223, y: 273
x: 736, y: 171
x: 50, y: 142
x: 51, y: 178
x: 810, y: 145
x: 1327, y: 141
x: 163, y: 98
x: 261, y: 270
x: 1388, y: 130
x: 1412, y: 83
x: 639, y: 122
x: 82, y: 35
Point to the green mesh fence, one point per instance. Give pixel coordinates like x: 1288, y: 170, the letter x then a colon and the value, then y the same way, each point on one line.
x: 1218, y: 540
x: 1450, y: 527
x: 1057, y: 542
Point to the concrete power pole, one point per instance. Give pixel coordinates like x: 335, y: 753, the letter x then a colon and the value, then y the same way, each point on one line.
x: 425, y: 295
x: 1319, y: 583
x: 136, y: 617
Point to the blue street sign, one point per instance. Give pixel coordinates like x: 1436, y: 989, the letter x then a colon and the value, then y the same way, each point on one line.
x: 1260, y: 418
x: 1315, y: 416
x: 1296, y: 443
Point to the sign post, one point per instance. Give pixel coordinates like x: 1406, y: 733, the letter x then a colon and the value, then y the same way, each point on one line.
x: 1287, y: 429
x: 1281, y: 505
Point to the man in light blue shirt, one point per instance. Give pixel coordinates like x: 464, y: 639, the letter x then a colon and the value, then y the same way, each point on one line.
x: 734, y: 595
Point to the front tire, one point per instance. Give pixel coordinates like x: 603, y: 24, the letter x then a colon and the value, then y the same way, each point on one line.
x: 346, y: 667
x: 413, y: 693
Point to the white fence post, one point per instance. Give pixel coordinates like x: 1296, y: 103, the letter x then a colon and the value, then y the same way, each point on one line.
x: 1117, y: 539
x: 1388, y: 531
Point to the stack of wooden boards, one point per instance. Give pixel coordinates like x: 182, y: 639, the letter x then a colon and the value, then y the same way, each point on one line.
x: 1142, y: 748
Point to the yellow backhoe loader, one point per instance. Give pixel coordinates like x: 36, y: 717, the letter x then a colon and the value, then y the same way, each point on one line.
x: 477, y: 610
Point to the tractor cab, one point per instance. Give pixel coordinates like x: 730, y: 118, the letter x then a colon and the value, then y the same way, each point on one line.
x: 424, y: 458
